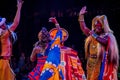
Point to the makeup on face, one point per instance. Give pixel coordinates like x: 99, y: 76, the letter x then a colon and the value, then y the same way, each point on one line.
x: 98, y: 27
x: 97, y: 23
x: 3, y: 26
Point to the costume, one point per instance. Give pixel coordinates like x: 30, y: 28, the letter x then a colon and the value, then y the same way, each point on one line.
x: 71, y: 65
x: 51, y: 70
x: 62, y: 62
x: 6, y: 72
x: 40, y: 51
x: 35, y: 73
x: 5, y: 54
x: 6, y: 33
x: 102, y: 60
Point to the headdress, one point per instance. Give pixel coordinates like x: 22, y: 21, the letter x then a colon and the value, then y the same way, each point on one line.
x: 64, y: 33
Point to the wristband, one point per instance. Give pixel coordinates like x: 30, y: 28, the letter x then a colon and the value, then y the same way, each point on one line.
x: 81, y: 18
x: 56, y: 24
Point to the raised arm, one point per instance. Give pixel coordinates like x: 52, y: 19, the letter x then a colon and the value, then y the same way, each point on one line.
x: 59, y: 30
x: 53, y: 20
x: 17, y: 16
x: 82, y: 22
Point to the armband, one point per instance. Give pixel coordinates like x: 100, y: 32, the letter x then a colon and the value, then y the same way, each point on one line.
x: 81, y: 18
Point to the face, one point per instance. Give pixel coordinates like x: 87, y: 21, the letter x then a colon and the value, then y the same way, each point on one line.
x: 98, y: 27
x: 40, y: 35
x: 44, y: 36
x: 3, y: 26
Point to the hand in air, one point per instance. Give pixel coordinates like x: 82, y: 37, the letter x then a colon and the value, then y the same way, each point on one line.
x: 53, y: 20
x: 83, y: 11
x: 19, y: 3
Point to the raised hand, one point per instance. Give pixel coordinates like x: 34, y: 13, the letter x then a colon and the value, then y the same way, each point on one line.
x: 83, y: 11
x: 19, y: 3
x: 53, y: 20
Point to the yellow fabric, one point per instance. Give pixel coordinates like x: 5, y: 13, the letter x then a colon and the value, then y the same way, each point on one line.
x: 57, y: 41
x: 50, y: 66
x: 93, y: 69
x: 6, y: 72
x: 55, y: 76
x: 56, y: 72
x: 93, y: 47
x: 93, y: 64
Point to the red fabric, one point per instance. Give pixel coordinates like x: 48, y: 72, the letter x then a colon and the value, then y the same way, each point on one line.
x: 35, y: 73
x: 108, y: 73
x: 72, y: 68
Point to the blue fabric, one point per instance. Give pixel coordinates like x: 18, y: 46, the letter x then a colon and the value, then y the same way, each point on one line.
x: 47, y: 74
x: 47, y: 50
x: 102, y: 67
x: 54, y: 53
x: 61, y: 74
x: 53, y: 57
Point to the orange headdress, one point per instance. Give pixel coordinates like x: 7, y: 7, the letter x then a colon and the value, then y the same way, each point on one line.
x: 64, y: 33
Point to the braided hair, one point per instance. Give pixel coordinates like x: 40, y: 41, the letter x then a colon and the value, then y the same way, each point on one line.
x: 45, y: 38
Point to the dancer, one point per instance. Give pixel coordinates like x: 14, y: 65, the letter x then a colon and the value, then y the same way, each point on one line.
x: 6, y: 32
x: 39, y: 53
x: 101, y: 48
x: 62, y: 62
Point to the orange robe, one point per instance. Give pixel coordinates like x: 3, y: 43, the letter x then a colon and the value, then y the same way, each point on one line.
x: 6, y: 72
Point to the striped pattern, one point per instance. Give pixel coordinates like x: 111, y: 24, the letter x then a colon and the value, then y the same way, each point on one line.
x: 35, y: 73
x: 71, y: 65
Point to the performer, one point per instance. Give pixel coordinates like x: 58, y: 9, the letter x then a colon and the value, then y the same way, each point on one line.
x: 62, y: 62
x: 39, y: 53
x: 101, y: 48
x: 6, y: 32
x: 40, y: 50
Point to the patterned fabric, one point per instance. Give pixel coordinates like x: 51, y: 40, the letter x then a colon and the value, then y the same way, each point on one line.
x: 102, y: 67
x: 93, y: 63
x: 107, y: 69
x: 98, y: 66
x: 62, y: 64
x: 35, y: 73
x: 109, y: 72
x: 6, y: 72
x: 51, y: 69
x: 71, y: 65
x: 53, y: 32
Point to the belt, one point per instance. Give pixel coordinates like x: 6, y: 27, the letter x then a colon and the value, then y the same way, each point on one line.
x: 93, y: 56
x: 5, y: 57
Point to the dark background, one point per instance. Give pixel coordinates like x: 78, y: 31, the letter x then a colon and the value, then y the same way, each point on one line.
x: 35, y: 14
